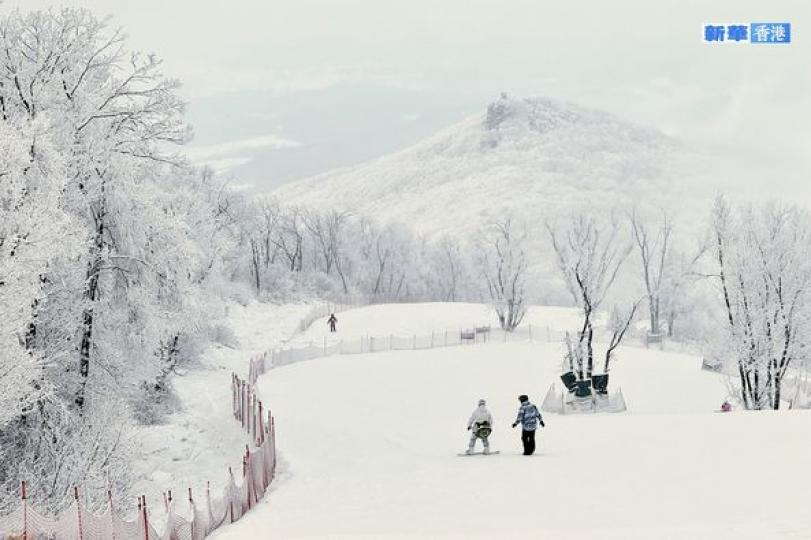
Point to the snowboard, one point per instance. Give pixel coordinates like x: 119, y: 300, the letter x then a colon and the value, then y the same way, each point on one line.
x: 478, y: 454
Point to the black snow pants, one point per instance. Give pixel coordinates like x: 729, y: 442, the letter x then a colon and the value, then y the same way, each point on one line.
x: 528, y: 440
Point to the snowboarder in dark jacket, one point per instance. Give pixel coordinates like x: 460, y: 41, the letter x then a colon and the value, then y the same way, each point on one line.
x: 529, y: 417
x: 332, y: 321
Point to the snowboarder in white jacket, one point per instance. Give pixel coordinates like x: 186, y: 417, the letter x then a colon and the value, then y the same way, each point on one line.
x: 480, y: 425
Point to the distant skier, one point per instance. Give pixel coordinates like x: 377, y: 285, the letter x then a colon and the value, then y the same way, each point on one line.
x: 332, y: 321
x: 480, y: 426
x: 726, y: 406
x: 529, y: 417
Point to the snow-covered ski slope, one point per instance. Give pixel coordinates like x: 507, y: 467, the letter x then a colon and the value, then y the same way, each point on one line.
x: 369, y: 446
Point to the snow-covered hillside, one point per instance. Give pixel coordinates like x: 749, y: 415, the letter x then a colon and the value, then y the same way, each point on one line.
x: 369, y: 447
x: 528, y: 158
x: 199, y: 442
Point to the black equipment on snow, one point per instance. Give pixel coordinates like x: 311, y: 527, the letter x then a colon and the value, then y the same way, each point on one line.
x: 483, y: 430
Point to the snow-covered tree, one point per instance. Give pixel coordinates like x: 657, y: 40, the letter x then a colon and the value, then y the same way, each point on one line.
x: 589, y: 258
x: 502, y: 263
x: 764, y: 277
x: 450, y: 268
x: 101, y: 263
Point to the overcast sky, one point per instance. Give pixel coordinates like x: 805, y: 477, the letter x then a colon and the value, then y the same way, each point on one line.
x: 279, y: 90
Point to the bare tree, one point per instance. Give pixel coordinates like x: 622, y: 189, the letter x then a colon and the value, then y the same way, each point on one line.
x: 677, y: 296
x: 618, y: 325
x: 327, y: 233
x: 653, y: 248
x: 263, y: 226
x: 589, y: 259
x: 451, y: 268
x: 290, y: 241
x: 502, y: 263
x: 270, y: 216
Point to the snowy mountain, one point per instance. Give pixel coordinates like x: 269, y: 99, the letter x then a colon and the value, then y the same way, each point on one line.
x: 530, y: 158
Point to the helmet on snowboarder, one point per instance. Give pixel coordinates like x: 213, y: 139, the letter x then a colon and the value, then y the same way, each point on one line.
x: 482, y: 402
x: 523, y: 398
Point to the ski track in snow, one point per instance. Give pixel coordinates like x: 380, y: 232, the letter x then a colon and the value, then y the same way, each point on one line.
x: 368, y: 446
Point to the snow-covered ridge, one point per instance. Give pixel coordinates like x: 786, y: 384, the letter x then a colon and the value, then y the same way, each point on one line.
x: 531, y: 158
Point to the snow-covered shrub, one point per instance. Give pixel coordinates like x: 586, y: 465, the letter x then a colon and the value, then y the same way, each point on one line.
x: 153, y: 402
x: 224, y: 335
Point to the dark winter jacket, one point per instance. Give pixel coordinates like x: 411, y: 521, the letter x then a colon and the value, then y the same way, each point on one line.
x: 528, y: 416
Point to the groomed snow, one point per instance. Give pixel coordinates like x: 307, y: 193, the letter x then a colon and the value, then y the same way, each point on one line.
x: 369, y: 443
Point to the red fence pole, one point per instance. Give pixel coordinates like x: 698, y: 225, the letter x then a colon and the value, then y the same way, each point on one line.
x: 208, y: 504
x: 78, y: 512
x: 261, y: 425
x: 193, y: 515
x: 25, y: 513
x: 234, y: 394
x: 239, y: 392
x: 146, y: 519
x: 273, y: 444
x: 231, y: 499
x: 112, y: 511
x: 252, y: 426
